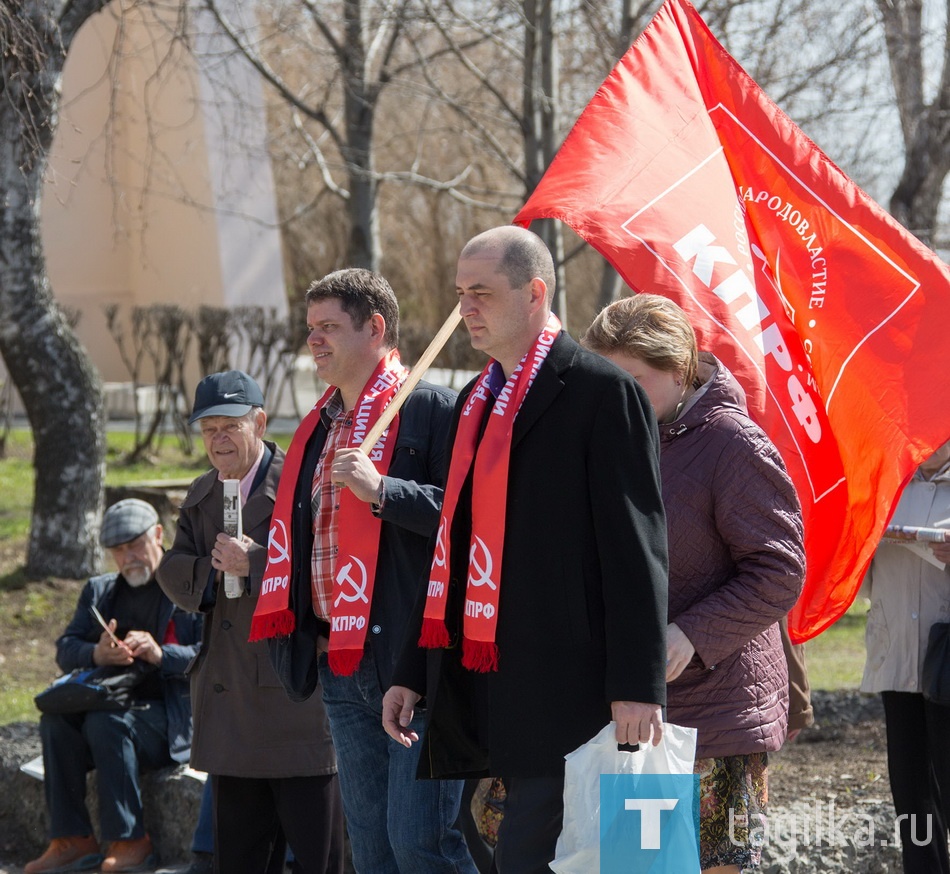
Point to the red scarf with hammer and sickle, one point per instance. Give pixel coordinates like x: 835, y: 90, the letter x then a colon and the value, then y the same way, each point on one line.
x: 359, y: 529
x: 489, y: 504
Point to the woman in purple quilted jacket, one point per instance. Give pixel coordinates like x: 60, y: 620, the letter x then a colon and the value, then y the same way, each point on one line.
x: 736, y: 567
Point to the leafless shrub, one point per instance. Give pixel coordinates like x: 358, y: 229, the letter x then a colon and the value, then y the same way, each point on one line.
x: 156, y: 347
x: 212, y: 327
x: 266, y: 340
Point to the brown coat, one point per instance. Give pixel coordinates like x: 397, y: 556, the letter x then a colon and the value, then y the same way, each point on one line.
x: 736, y: 568
x: 801, y: 714
x: 244, y: 723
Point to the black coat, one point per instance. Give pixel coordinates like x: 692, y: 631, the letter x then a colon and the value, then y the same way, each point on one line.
x: 582, y: 611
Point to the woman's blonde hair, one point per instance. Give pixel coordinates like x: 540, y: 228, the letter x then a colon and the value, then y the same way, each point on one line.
x: 649, y: 327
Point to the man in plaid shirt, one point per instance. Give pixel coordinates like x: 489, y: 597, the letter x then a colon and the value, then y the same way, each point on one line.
x: 358, y: 541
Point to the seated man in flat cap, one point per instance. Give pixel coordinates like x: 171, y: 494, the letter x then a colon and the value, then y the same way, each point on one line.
x: 146, y: 630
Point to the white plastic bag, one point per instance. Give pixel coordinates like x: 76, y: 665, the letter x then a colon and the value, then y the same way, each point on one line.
x: 579, y: 845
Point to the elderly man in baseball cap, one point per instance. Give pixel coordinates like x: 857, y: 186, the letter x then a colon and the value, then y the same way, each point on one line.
x: 145, y: 631
x: 270, y: 760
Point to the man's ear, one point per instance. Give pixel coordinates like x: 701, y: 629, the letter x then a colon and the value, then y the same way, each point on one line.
x: 538, y: 290
x: 261, y: 421
x: 377, y: 326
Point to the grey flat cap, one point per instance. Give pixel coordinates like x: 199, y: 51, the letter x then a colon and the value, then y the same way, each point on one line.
x: 126, y: 520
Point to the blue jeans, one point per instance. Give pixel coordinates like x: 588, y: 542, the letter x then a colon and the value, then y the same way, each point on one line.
x: 397, y: 824
x: 116, y: 743
x: 202, y: 841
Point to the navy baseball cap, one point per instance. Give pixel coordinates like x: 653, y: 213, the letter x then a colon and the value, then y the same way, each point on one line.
x: 231, y: 393
x: 126, y: 520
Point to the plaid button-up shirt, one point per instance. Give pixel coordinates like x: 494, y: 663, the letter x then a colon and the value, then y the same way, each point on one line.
x: 324, y: 502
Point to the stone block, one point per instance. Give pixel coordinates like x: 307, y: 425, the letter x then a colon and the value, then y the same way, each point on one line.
x: 171, y: 799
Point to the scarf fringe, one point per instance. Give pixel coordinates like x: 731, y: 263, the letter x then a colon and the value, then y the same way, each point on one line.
x: 344, y: 662
x: 434, y: 634
x: 479, y: 655
x: 277, y: 624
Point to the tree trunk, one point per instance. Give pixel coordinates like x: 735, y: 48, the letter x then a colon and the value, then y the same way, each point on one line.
x: 363, y: 243
x: 540, y: 127
x: 61, y: 392
x: 925, y: 127
x: 360, y: 99
x: 632, y: 22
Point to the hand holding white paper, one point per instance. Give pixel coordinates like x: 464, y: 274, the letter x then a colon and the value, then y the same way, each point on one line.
x: 233, y: 525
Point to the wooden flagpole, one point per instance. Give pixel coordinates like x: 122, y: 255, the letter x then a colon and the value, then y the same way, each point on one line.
x: 417, y: 372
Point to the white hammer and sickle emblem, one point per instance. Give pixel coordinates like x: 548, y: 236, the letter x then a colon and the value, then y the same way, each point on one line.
x: 277, y: 547
x: 439, y: 558
x: 359, y: 587
x: 483, y: 571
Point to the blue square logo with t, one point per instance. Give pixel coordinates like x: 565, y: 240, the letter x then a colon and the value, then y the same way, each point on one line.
x: 649, y: 823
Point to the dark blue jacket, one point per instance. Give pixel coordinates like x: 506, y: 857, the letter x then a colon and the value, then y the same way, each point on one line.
x: 74, y: 650
x: 410, y: 515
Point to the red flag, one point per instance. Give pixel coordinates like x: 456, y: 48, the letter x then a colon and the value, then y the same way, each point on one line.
x: 835, y: 319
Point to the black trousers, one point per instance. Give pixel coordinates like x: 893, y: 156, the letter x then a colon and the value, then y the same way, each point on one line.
x: 255, y: 819
x: 527, y: 836
x: 918, y: 762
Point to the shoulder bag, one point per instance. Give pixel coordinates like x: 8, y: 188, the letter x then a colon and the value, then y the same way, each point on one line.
x: 102, y: 688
